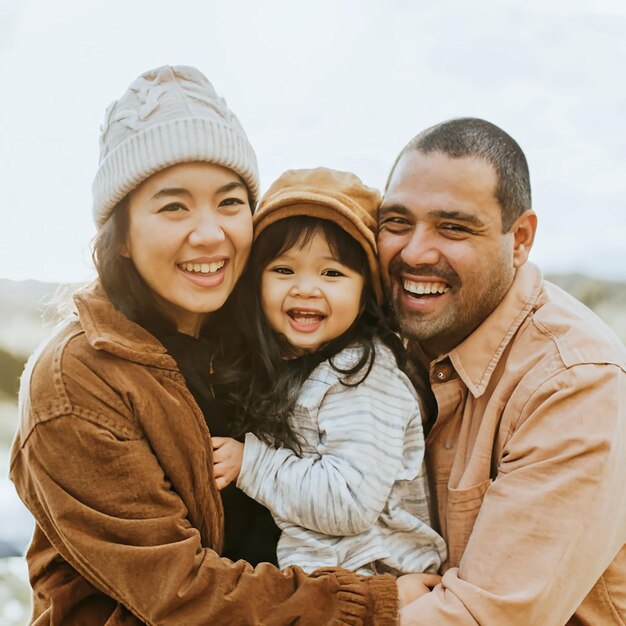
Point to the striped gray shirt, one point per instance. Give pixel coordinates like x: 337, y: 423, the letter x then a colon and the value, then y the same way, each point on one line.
x: 357, y: 497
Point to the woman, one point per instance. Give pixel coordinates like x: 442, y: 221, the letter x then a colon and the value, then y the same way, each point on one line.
x: 113, y: 455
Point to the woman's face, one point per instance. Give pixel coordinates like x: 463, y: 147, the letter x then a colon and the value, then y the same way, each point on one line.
x: 189, y: 236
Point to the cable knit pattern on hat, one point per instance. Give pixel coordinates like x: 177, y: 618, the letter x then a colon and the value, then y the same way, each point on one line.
x: 168, y: 115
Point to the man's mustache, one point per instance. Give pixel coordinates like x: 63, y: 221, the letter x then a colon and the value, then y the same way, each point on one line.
x: 397, y: 268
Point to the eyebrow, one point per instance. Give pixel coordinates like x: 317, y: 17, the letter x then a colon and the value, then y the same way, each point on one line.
x: 235, y: 184
x: 392, y: 208
x: 286, y: 254
x: 171, y: 191
x: 181, y: 191
x: 460, y: 216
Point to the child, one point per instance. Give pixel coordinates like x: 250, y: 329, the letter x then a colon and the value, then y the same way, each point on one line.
x: 346, y: 486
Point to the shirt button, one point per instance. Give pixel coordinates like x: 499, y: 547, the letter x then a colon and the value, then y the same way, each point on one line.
x: 448, y: 445
x: 440, y: 375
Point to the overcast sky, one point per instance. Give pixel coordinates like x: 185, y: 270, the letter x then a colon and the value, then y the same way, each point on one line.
x: 340, y: 84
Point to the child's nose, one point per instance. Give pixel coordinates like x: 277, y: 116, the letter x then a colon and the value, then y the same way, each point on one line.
x: 306, y: 288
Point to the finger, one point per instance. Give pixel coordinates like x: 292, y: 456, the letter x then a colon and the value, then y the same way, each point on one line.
x: 430, y: 580
x: 218, y: 442
x: 221, y: 482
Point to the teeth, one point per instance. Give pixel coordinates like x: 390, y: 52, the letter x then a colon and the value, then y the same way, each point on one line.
x: 203, y: 268
x: 424, y: 288
x: 305, y: 317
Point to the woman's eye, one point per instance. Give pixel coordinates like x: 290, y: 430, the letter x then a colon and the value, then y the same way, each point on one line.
x: 332, y: 273
x: 172, y: 208
x: 233, y: 201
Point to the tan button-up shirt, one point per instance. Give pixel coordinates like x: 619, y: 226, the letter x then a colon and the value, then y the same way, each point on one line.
x: 527, y: 460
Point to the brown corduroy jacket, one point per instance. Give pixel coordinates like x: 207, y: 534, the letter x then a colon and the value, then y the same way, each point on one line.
x: 113, y: 458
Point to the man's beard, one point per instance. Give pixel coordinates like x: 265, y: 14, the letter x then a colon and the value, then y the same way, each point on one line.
x: 458, y: 319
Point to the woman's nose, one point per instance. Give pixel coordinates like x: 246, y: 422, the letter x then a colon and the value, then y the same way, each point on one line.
x: 421, y: 249
x: 206, y: 230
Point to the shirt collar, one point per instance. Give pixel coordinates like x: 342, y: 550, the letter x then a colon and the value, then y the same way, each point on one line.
x: 476, y: 357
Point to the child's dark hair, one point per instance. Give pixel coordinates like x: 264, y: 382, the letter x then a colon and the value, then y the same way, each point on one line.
x: 261, y: 384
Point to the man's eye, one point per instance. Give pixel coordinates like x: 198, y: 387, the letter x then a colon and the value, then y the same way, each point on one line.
x: 456, y: 228
x: 332, y: 273
x: 172, y: 208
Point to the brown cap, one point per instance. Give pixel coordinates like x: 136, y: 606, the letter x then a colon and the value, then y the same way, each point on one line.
x: 339, y: 197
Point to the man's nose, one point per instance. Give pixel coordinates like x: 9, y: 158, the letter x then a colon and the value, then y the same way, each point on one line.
x: 206, y: 229
x: 421, y: 249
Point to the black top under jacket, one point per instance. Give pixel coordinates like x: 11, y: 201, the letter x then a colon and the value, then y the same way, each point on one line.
x: 249, y: 530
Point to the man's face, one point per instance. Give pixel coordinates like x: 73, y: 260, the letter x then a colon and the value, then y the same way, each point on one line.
x: 444, y: 258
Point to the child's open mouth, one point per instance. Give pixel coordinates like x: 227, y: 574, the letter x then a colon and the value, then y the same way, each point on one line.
x: 305, y: 320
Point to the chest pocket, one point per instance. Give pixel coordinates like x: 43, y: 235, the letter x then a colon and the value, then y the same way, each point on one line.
x: 463, y: 506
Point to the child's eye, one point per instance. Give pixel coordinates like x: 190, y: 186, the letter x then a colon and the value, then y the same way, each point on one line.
x: 333, y: 273
x: 173, y: 207
x: 281, y: 269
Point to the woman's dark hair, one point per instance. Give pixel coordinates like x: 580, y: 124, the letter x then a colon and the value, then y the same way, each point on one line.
x: 123, y: 285
x: 260, y: 383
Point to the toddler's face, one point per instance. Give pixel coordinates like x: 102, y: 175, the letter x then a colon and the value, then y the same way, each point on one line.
x: 308, y: 296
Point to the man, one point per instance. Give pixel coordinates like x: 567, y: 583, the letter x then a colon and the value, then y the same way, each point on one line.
x: 523, y: 390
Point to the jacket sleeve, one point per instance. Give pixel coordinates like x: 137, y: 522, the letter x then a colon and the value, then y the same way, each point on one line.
x: 554, y: 517
x: 103, y: 501
x: 343, y: 489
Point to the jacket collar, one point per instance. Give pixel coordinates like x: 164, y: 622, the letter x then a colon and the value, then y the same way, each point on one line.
x: 476, y: 357
x: 109, y: 330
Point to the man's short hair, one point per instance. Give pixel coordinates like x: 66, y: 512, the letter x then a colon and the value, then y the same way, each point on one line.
x: 473, y: 137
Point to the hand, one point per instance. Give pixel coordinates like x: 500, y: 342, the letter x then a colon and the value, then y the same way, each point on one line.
x: 227, y: 458
x: 414, y: 586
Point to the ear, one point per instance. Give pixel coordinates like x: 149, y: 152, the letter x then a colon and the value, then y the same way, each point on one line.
x: 124, y: 250
x: 523, y: 231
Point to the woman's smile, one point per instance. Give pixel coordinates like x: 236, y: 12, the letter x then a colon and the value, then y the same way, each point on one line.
x: 203, y: 272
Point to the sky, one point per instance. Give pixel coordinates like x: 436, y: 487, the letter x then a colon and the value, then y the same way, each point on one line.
x: 344, y: 84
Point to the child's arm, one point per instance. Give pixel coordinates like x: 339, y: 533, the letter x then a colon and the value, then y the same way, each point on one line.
x: 364, y: 432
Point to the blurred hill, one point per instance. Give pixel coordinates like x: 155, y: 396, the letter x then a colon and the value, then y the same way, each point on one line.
x: 606, y: 298
x: 27, y: 310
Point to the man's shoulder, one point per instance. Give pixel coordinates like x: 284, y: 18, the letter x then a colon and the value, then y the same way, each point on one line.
x: 575, y: 333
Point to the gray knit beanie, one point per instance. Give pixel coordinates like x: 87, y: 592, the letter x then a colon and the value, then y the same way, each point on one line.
x: 168, y: 115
